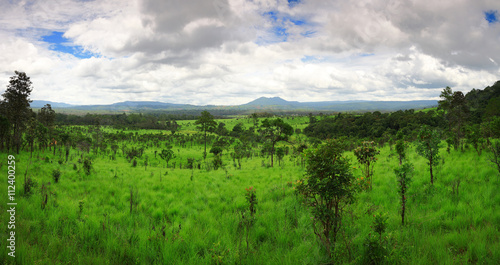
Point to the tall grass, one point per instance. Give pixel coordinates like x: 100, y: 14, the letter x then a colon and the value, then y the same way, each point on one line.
x: 194, y: 216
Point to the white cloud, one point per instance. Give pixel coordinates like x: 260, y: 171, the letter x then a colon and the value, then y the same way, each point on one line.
x: 228, y: 51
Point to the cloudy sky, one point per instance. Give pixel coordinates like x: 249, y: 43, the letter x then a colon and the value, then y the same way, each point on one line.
x: 228, y: 52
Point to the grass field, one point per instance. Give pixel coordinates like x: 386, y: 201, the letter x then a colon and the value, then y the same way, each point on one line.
x: 120, y: 214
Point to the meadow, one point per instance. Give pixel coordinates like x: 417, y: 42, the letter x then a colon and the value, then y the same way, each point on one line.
x: 195, y: 214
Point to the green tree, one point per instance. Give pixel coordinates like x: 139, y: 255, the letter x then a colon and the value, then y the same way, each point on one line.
x: 47, y: 116
x: 274, y: 131
x: 241, y: 149
x: 327, y: 188
x: 221, y: 129
x: 219, y: 146
x: 493, y: 107
x: 31, y: 134
x: 280, y: 153
x: 4, y: 130
x: 494, y: 157
x: 255, y: 119
x: 366, y: 157
x: 473, y: 135
x: 428, y: 143
x: 403, y: 175
x: 16, y: 106
x: 206, y: 123
x: 456, y: 112
x: 401, y: 146
x: 167, y: 155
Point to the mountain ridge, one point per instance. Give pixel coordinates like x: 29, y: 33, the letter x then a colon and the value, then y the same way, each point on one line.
x: 262, y: 103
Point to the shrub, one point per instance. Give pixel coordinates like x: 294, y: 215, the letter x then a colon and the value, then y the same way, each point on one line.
x: 190, y: 162
x: 428, y: 144
x: 328, y: 188
x: 375, y: 249
x: 87, y: 165
x: 495, y: 155
x: 403, y: 175
x: 56, y: 174
x: 251, y: 197
x: 29, y: 185
x: 217, y: 162
x: 366, y: 157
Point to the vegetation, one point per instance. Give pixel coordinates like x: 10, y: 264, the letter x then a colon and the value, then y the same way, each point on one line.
x: 328, y: 189
x: 81, y: 200
x: 428, y: 144
x: 207, y: 123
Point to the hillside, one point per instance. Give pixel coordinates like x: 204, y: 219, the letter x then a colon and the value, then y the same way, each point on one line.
x: 262, y: 103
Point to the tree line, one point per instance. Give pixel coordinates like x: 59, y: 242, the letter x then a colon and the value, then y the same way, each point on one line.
x: 466, y: 119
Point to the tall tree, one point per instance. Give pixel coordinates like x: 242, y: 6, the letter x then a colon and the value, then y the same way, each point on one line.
x: 428, y: 143
x: 403, y: 174
x: 16, y: 106
x: 206, y: 123
x: 456, y: 112
x: 47, y: 116
x: 276, y: 130
x: 366, y: 157
x: 4, y: 130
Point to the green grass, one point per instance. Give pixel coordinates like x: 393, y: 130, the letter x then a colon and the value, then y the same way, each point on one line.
x: 199, y: 211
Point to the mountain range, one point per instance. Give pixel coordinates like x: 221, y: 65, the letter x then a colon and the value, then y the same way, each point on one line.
x: 261, y: 104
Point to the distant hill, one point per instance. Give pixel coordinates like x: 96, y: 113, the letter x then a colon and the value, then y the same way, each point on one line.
x: 135, y: 105
x: 275, y: 101
x: 354, y: 105
x: 262, y: 103
x: 40, y: 103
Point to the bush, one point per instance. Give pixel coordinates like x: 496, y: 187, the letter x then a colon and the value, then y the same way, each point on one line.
x: 375, y: 249
x: 190, y: 163
x: 366, y: 157
x: 217, y: 162
x: 87, y: 165
x: 56, y: 174
x: 374, y: 252
x: 328, y: 187
x: 29, y: 185
x: 251, y: 197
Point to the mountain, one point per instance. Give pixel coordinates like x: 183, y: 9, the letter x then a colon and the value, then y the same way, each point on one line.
x: 353, y: 105
x: 275, y: 101
x: 40, y: 103
x: 135, y: 105
x: 262, y: 103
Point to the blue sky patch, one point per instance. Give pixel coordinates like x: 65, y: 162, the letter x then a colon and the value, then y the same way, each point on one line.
x: 273, y: 15
x: 308, y: 34
x: 59, y: 43
x: 292, y: 3
x: 298, y: 22
x: 280, y: 23
x: 315, y: 59
x: 366, y: 54
x: 491, y: 16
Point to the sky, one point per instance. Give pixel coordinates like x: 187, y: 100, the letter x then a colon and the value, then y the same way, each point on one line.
x: 228, y: 52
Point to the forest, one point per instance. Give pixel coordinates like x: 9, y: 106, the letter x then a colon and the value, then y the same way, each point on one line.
x: 403, y: 187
